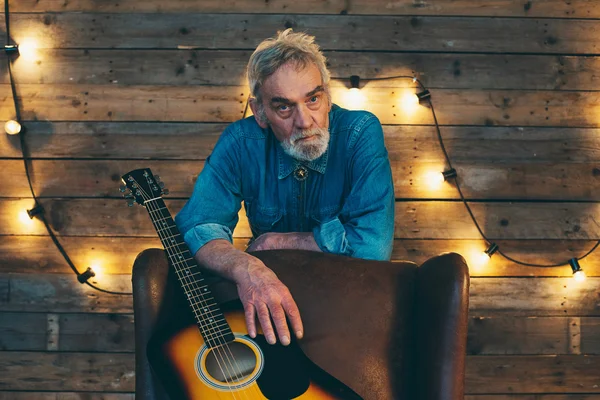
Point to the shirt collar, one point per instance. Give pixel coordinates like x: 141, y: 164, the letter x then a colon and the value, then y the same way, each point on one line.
x: 287, y: 164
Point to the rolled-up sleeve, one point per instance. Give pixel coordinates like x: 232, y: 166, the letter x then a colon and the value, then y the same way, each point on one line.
x: 212, y: 210
x: 364, y: 227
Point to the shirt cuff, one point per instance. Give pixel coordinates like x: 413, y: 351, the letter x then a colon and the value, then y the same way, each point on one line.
x: 199, y: 235
x: 331, y: 238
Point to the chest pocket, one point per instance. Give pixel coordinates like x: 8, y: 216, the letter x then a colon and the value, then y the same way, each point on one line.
x: 263, y: 219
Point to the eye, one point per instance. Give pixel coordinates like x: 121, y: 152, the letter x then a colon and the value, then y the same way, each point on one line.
x: 283, y: 108
x: 314, y: 99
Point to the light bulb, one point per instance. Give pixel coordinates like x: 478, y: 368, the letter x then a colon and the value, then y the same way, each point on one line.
x: 12, y: 127
x: 24, y: 218
x: 434, y: 179
x: 579, y: 276
x: 355, y: 99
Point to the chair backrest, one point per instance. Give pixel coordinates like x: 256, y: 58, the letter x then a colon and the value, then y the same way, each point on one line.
x: 387, y: 330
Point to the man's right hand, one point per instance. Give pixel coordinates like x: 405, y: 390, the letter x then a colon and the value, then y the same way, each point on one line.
x: 260, y: 291
x: 266, y: 297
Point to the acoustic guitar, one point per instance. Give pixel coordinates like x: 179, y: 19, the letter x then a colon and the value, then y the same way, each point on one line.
x: 211, y: 356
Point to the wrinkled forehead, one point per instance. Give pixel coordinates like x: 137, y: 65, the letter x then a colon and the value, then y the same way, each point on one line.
x: 292, y: 82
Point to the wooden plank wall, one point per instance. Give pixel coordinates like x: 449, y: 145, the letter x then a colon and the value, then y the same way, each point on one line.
x: 109, y: 89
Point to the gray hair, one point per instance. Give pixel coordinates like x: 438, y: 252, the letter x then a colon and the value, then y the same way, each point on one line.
x: 271, y: 54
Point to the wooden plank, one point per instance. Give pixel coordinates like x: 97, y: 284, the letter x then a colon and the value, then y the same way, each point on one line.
x: 509, y: 8
x: 65, y: 396
x: 485, y: 374
x: 532, y: 374
x: 226, y: 104
x: 67, y: 371
x: 590, y: 335
x: 227, y: 68
x: 245, y: 31
x: 533, y: 297
x: 119, y: 103
x: 37, y: 254
x: 505, y: 335
x: 195, y: 141
x: 518, y: 335
x: 478, y: 180
x: 23, y: 331
x: 105, y: 333
x: 488, y: 297
x: 414, y: 219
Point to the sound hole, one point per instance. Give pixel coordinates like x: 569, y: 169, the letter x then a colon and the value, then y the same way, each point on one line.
x: 230, y: 363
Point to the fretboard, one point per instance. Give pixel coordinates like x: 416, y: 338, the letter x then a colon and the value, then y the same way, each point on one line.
x: 209, y: 317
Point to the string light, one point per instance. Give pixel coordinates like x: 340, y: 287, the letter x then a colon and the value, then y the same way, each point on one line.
x: 356, y: 99
x: 488, y: 253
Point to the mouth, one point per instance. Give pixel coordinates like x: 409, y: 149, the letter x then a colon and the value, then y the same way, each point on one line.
x: 306, y: 138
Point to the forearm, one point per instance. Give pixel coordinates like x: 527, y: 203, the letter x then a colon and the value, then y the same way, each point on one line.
x: 282, y: 241
x: 222, y: 258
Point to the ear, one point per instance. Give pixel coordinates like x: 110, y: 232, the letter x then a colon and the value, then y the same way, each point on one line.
x: 254, y: 108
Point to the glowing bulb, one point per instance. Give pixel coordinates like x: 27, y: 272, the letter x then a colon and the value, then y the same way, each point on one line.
x: 484, y: 258
x: 579, y: 276
x: 355, y: 99
x: 24, y: 218
x: 98, y: 270
x: 12, y: 127
x: 434, y: 179
x: 27, y: 49
x: 409, y: 102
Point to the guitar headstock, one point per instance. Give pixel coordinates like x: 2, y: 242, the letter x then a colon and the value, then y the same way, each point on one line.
x: 142, y: 186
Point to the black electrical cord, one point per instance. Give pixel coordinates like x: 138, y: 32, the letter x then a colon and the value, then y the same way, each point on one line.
x: 38, y: 210
x: 462, y: 197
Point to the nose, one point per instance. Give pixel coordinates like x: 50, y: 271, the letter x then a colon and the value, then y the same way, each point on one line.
x: 303, y: 117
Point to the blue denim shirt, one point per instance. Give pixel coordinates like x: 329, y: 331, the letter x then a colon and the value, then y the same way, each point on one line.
x: 346, y: 200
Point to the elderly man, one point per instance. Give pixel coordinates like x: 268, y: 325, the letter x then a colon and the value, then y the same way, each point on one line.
x: 311, y: 175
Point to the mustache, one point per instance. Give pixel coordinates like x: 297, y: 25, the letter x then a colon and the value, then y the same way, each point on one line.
x: 307, y: 133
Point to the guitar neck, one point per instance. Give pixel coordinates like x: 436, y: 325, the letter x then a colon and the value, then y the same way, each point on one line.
x: 209, y: 317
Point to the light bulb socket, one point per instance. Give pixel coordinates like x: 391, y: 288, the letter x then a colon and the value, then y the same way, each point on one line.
x: 451, y: 173
x: 424, y: 95
x: 83, y: 278
x: 355, y: 82
x: 11, y: 49
x: 574, y: 263
x: 37, y: 210
x: 491, y: 250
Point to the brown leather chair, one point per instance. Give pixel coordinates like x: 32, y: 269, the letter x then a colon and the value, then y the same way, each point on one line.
x: 387, y: 330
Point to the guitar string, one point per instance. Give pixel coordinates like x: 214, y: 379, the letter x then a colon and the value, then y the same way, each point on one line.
x: 190, y: 284
x: 238, y: 374
x: 149, y: 205
x: 236, y: 363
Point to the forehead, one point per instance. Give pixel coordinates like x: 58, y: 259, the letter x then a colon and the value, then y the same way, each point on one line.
x: 291, y: 82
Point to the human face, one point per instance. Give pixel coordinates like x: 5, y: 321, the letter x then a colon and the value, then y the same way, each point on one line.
x: 296, y: 108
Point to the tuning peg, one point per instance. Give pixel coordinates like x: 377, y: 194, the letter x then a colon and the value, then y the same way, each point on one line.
x: 128, y: 196
x: 161, y: 184
x: 165, y: 191
x: 122, y: 188
x: 130, y: 203
x: 156, y: 178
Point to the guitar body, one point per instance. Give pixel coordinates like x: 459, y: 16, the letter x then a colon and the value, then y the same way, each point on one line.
x: 244, y: 369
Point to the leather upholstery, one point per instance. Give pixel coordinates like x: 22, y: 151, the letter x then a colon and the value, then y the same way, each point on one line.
x: 387, y: 330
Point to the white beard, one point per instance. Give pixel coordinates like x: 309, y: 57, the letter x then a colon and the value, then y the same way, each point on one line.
x: 308, y: 151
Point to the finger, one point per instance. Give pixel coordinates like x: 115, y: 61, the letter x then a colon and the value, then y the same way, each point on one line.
x: 291, y: 309
x: 265, y: 322
x: 280, y: 322
x: 249, y: 313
